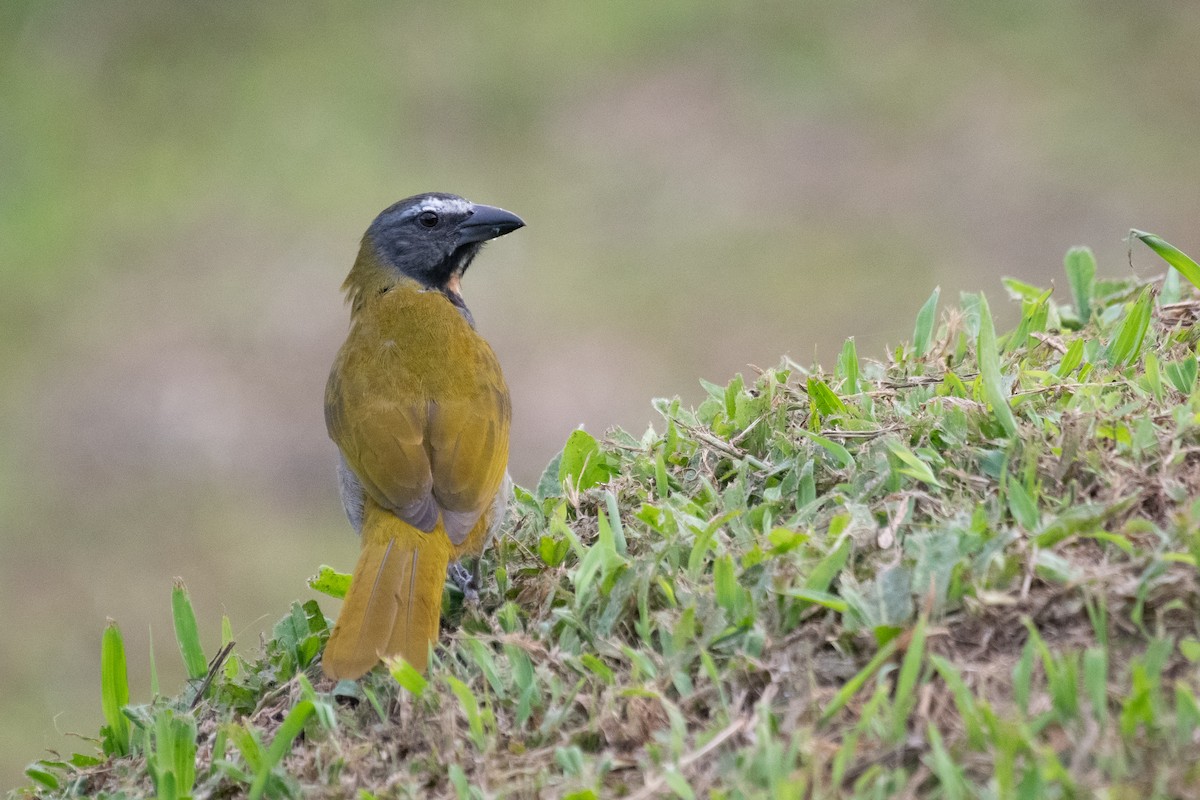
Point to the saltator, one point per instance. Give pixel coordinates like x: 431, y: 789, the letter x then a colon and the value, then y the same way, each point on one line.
x: 419, y: 410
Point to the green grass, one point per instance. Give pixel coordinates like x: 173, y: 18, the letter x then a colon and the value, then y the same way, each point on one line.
x: 967, y: 571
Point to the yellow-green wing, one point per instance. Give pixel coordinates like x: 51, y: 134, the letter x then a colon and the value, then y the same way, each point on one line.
x: 468, y: 446
x: 382, y: 438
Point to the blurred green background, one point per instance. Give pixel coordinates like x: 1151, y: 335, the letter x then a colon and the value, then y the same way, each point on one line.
x: 707, y: 186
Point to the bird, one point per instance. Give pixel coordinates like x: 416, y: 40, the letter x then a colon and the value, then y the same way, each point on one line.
x: 420, y: 413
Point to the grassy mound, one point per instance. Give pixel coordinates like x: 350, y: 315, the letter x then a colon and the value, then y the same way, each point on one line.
x: 968, y: 571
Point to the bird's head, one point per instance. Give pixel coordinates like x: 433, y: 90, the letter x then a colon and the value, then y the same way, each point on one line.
x: 432, y: 238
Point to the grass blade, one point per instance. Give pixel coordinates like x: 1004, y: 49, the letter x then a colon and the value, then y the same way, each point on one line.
x: 187, y: 632
x: 231, y: 665
x: 839, y: 453
x: 1171, y: 254
x: 1095, y: 681
x: 1081, y: 274
x: 114, y: 690
x: 944, y: 767
x: 292, y: 725
x: 171, y: 758
x: 852, y: 686
x: 824, y: 401
x: 916, y: 468
x: 906, y: 681
x: 154, y: 692
x: 470, y: 707
x: 847, y: 367
x: 968, y: 709
x: 926, y: 318
x: 407, y: 676
x: 1071, y: 359
x: 827, y: 568
x: 1182, y: 374
x: 989, y: 370
x: 1126, y: 345
x: 1171, y: 291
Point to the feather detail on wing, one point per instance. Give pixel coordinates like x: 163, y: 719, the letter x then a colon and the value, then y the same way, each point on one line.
x: 423, y: 452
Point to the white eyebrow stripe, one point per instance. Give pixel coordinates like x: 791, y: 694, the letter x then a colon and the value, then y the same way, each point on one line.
x: 439, y: 205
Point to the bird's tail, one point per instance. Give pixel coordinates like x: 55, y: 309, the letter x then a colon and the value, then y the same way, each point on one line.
x: 394, y: 604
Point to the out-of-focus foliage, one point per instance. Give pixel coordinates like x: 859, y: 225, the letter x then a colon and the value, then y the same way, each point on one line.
x: 182, y: 187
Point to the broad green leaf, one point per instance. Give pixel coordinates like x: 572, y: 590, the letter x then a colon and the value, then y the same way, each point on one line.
x: 40, y: 773
x: 329, y: 581
x: 583, y: 462
x: 553, y: 551
x: 550, y: 484
x: 953, y: 385
x: 299, y: 632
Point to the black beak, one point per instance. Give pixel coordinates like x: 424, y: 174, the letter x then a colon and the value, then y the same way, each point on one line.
x: 487, y: 222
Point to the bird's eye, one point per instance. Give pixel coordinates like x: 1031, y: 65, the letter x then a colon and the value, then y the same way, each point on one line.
x: 428, y: 219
